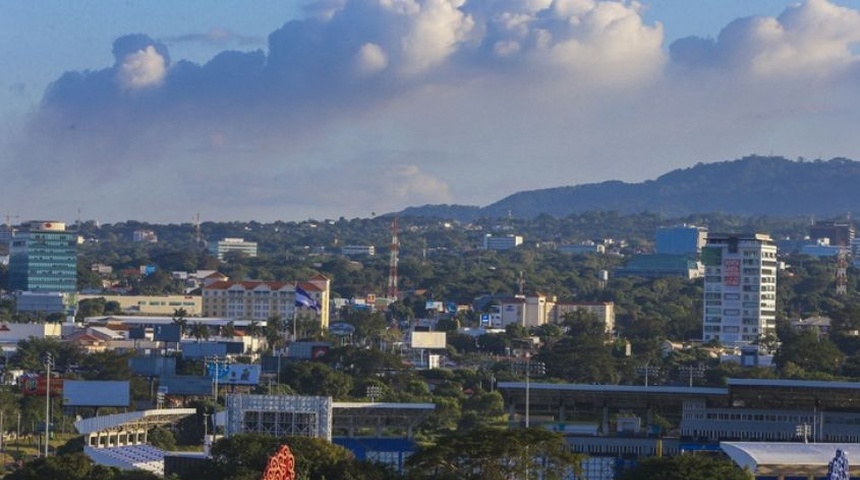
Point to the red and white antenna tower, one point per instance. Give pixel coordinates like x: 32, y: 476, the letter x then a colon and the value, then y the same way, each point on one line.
x: 842, y: 272
x: 392, y: 262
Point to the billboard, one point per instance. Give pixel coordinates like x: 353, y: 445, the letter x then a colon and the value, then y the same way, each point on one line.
x: 153, y: 366
x: 187, y: 385
x: 234, y: 374
x: 201, y: 350
x: 428, y: 340
x: 33, y: 384
x: 96, y: 393
x: 167, y: 333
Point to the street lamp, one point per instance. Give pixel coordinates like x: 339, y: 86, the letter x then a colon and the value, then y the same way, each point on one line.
x: 49, y: 362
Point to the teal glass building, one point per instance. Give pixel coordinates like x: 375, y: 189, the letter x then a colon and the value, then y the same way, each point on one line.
x: 43, y: 258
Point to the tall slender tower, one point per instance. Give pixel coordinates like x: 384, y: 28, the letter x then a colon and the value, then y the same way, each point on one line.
x: 842, y: 272
x: 392, y: 262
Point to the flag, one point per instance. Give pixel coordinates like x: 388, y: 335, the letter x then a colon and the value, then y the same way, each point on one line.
x: 303, y: 299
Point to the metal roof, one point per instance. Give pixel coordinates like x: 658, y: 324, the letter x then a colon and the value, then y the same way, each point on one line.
x: 780, y: 383
x: 382, y: 406
x: 758, y: 456
x: 131, y: 420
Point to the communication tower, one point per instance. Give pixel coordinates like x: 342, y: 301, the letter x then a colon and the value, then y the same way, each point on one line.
x: 392, y: 262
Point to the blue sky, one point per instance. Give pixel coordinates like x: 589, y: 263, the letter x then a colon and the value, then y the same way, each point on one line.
x: 359, y: 106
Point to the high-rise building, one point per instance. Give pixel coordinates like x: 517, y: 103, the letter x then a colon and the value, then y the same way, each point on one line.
x: 43, y: 258
x: 740, y: 288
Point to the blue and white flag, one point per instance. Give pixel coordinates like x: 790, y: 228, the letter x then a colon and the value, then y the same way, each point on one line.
x: 303, y: 299
x: 838, y: 468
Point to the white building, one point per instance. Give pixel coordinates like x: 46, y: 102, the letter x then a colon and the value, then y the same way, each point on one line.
x: 582, y: 248
x: 502, y: 243
x: 219, y: 249
x: 740, y: 288
x: 147, y: 236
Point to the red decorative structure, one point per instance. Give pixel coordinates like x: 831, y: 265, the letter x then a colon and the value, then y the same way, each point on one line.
x: 282, y: 465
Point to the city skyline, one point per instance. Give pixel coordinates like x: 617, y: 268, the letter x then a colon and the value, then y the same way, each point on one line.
x: 347, y: 108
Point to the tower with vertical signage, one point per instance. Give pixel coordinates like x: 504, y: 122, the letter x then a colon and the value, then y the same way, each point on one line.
x: 740, y: 288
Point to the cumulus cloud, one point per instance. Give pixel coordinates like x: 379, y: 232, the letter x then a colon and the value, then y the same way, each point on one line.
x: 370, y: 59
x: 142, y: 69
x: 476, y: 99
x: 812, y: 39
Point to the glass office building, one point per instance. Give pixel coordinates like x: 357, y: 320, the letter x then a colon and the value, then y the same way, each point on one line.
x: 43, y: 258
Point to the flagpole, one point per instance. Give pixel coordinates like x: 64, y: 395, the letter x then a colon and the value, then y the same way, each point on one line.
x: 295, y: 319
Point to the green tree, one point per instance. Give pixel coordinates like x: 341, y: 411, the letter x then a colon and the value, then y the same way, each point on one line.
x: 686, y: 467
x: 315, y: 378
x: 495, y: 454
x: 808, y: 352
x: 245, y: 456
x: 199, y: 331
x: 90, y: 307
x: 162, y: 438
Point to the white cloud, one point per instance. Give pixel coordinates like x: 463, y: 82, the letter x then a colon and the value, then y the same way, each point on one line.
x: 437, y: 28
x: 814, y: 39
x: 370, y: 59
x: 142, y: 69
x: 476, y: 99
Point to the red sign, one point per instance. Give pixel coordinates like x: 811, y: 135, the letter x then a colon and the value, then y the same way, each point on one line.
x: 37, y: 385
x: 731, y: 272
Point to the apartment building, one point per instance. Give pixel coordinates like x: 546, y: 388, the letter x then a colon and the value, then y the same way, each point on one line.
x: 740, y: 288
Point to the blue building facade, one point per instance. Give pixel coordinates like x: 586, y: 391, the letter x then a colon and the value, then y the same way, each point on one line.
x: 685, y: 240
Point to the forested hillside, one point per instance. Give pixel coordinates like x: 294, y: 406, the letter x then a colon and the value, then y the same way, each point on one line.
x: 752, y: 185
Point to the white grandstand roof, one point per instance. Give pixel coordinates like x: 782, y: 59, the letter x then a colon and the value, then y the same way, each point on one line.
x: 752, y: 455
x: 384, y: 405
x: 138, y: 419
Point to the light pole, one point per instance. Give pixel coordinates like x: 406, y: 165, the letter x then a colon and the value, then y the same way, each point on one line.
x: 529, y: 368
x: 49, y: 362
x: 374, y: 392
x: 647, y: 371
x: 691, y: 372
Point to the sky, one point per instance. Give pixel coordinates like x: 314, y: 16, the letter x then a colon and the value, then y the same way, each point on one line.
x: 287, y: 110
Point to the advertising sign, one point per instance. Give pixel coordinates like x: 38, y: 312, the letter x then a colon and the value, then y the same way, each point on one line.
x: 96, y: 393
x: 38, y: 385
x: 234, y: 374
x: 731, y: 272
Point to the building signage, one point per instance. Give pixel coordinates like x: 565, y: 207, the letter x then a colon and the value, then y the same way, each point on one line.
x: 731, y: 272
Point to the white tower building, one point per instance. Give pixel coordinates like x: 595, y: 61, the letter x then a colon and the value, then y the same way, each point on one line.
x: 740, y: 288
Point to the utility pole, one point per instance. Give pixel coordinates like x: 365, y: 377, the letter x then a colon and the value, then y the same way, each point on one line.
x: 49, y: 362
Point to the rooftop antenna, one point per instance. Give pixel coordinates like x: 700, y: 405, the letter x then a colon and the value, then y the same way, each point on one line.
x: 197, y: 237
x: 521, y: 282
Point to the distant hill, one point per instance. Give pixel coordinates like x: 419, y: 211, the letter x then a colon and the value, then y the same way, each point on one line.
x: 750, y: 186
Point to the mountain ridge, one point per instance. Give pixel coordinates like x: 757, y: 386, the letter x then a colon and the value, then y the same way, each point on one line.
x: 752, y: 185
